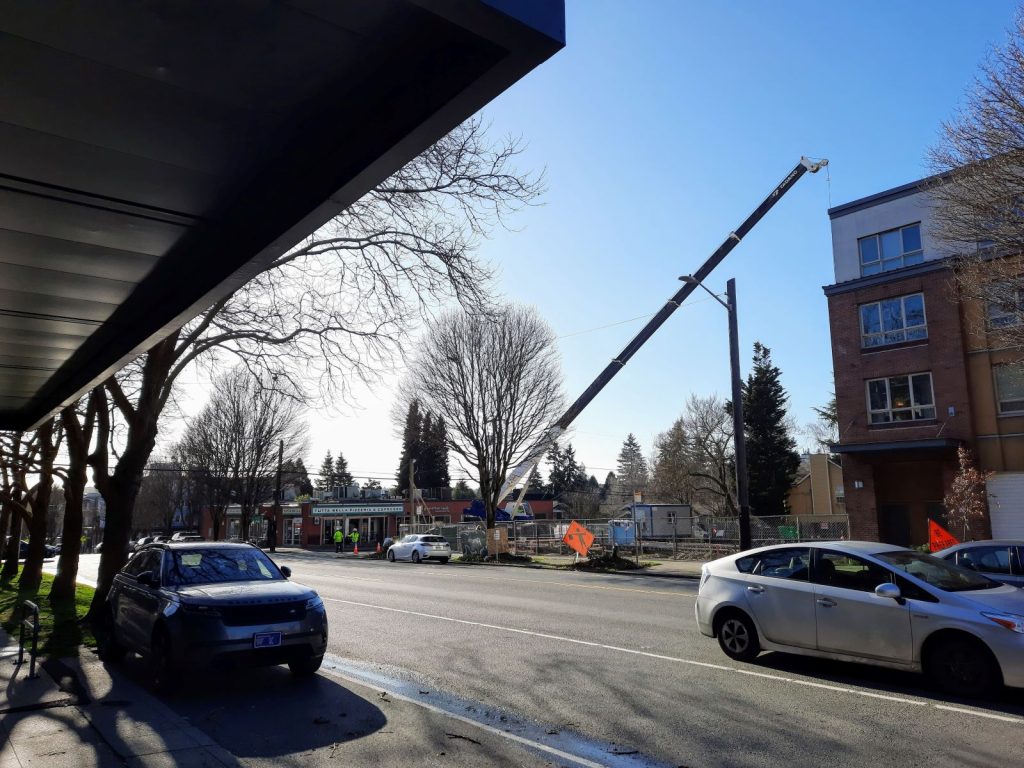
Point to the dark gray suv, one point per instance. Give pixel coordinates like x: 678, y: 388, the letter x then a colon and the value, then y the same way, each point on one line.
x: 191, y: 604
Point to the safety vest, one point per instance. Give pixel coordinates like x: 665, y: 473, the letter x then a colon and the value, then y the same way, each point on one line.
x: 337, y: 535
x: 355, y: 535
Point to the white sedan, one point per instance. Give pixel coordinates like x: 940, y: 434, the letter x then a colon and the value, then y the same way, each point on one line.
x: 870, y: 603
x: 419, y: 547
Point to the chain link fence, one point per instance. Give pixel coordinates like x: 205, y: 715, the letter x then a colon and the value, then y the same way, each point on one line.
x: 701, y: 537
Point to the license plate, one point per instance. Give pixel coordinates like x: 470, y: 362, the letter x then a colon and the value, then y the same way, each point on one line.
x: 266, y: 640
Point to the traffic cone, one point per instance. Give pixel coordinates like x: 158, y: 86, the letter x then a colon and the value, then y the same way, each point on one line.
x: 356, y: 551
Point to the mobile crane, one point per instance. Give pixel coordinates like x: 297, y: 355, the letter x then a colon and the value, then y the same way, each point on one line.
x: 519, y: 474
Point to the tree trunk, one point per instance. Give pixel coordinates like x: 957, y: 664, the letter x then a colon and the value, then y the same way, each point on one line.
x: 32, y: 570
x: 71, y: 541
x: 11, y: 554
x: 120, y: 499
x: 5, y: 523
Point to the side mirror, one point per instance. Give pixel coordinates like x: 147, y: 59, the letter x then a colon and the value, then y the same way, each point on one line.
x: 890, y: 591
x: 149, y: 579
x: 286, y: 571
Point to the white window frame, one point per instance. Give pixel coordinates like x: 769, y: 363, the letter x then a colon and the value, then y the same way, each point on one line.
x: 865, y: 336
x: 877, y: 237
x: 889, y: 410
x: 1012, y: 411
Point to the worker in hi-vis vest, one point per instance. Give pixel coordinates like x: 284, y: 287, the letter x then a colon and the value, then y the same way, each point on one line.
x: 339, y: 540
x: 355, y: 537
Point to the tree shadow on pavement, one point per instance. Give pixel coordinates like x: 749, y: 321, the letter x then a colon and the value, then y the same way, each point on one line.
x: 265, y: 712
x: 1009, y: 701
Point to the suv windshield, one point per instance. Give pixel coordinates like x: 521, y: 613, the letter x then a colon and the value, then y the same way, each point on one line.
x: 937, y: 573
x: 215, y: 566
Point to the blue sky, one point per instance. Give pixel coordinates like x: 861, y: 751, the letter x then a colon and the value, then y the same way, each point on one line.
x: 661, y: 126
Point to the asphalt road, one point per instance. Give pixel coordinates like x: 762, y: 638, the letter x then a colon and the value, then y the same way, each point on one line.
x: 617, y: 661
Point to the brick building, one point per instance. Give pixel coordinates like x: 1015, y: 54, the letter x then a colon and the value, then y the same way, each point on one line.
x: 915, y: 375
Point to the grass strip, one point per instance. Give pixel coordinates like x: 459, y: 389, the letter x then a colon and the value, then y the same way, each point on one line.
x: 61, y: 632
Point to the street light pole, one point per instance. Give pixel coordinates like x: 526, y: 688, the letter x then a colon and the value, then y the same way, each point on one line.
x: 739, y: 440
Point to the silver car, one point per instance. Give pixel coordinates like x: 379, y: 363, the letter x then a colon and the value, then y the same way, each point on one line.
x: 999, y: 560
x: 419, y: 547
x: 186, y: 605
x: 869, y: 603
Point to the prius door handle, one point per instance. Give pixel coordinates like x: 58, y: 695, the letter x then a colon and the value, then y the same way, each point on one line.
x: 825, y: 602
x: 755, y: 589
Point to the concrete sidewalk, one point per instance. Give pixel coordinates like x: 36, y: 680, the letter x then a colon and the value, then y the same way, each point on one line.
x: 91, y: 720
x: 81, y: 713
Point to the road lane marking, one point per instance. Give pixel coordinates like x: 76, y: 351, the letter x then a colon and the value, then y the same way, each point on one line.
x: 678, y: 660
x: 989, y: 715
x: 530, y: 743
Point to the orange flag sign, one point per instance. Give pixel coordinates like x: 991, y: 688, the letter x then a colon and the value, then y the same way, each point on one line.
x: 578, y: 538
x: 939, y: 537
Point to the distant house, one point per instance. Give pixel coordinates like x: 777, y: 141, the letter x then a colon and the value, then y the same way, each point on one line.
x: 818, y: 489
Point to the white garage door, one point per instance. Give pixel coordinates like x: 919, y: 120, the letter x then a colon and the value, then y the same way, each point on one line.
x: 1006, y: 505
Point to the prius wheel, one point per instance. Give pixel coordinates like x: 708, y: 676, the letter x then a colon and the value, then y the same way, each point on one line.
x: 391, y: 556
x: 737, y: 636
x: 963, y: 666
x: 415, y: 555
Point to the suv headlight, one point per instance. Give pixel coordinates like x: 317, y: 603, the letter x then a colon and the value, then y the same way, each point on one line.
x: 314, y: 603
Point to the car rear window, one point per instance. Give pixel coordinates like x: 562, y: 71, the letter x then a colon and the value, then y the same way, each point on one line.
x: 434, y: 539
x: 216, y: 566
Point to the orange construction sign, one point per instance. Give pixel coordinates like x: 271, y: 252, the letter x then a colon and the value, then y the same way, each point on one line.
x: 578, y: 538
x: 939, y: 537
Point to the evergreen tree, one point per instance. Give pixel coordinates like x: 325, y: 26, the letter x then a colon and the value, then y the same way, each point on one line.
x: 633, y: 474
x: 294, y: 473
x: 462, y: 491
x: 341, y: 474
x: 566, y: 475
x: 325, y: 480
x: 608, y: 487
x: 536, y: 482
x: 410, y: 446
x: 772, y: 460
x: 435, y: 454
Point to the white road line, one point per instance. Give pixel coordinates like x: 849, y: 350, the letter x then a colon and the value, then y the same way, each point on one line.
x: 976, y: 713
x: 678, y: 660
x: 561, y: 755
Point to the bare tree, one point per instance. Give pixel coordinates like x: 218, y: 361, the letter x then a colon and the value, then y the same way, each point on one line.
x: 159, y: 497
x: 496, y: 381
x: 236, y: 437
x: 977, y: 213
x: 696, y: 461
x: 967, y: 501
x: 340, y: 303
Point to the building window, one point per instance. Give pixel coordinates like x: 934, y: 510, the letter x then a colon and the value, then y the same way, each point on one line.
x: 893, y: 320
x: 1005, y: 306
x: 1010, y: 388
x: 893, y: 249
x: 901, y: 398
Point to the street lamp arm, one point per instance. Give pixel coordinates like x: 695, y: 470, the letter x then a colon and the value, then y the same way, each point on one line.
x: 694, y: 281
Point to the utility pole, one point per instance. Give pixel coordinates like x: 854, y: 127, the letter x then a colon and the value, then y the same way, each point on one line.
x: 413, y: 514
x: 272, y: 526
x: 739, y: 439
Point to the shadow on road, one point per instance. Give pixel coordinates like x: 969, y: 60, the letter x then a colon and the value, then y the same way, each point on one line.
x: 265, y: 712
x: 1009, y: 701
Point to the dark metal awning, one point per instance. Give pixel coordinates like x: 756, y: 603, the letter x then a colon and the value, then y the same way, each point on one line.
x: 153, y: 156
x: 932, y: 444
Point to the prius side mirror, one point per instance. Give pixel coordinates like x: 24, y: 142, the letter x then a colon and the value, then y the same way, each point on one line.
x: 890, y: 591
